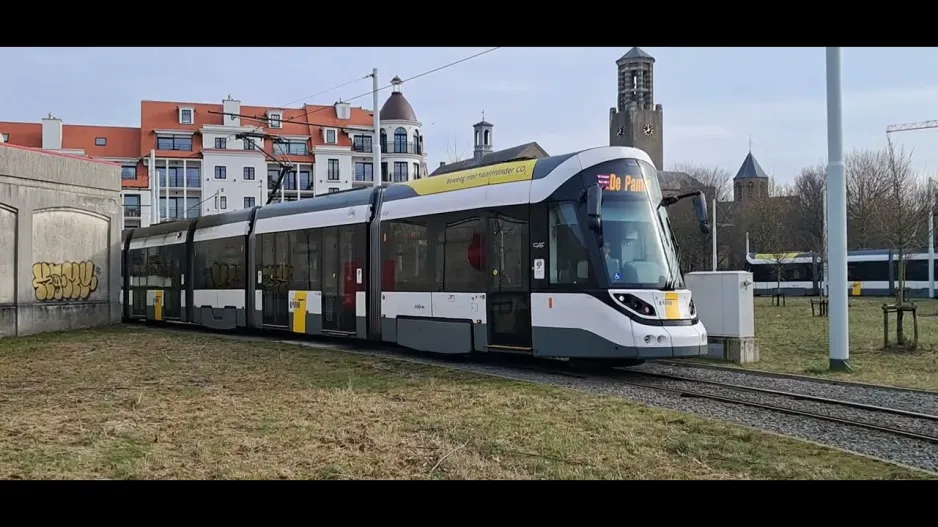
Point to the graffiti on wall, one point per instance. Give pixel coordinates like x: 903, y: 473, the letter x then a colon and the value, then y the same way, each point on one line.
x: 65, y: 281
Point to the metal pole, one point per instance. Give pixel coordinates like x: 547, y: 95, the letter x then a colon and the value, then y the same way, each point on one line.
x: 825, y: 252
x: 376, y: 139
x: 931, y: 239
x: 837, y: 225
x: 167, y: 189
x: 714, y: 234
x: 154, y: 189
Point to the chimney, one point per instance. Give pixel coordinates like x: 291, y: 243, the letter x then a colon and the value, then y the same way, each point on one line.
x: 228, y: 106
x: 343, y: 110
x: 51, y: 133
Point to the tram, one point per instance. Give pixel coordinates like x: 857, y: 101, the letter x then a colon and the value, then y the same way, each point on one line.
x: 570, y: 256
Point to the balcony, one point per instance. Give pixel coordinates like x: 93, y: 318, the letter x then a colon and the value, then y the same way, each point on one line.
x: 192, y: 178
x: 364, y: 148
x: 131, y: 211
x: 400, y: 147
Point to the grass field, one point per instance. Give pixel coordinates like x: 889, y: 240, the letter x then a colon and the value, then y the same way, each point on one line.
x: 145, y: 403
x: 792, y: 341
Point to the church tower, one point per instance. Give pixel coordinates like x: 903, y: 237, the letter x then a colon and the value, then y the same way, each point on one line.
x: 750, y: 183
x: 636, y: 120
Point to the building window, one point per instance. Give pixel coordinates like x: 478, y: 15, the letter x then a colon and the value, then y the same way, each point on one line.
x: 330, y: 136
x: 293, y: 148
x: 362, y: 143
x: 418, y: 143
x: 132, y: 206
x: 275, y: 120
x: 416, y: 170
x: 129, y: 172
x: 333, y: 172
x: 6, y: 138
x: 248, y: 173
x: 384, y: 171
x: 364, y: 171
x: 193, y: 177
x: 249, y: 203
x: 305, y: 182
x: 221, y: 143
x: 333, y: 190
x: 185, y: 116
x: 289, y: 180
x: 384, y: 141
x: 248, y: 143
x: 174, y: 142
x: 221, y: 173
x: 400, y: 141
x: 100, y: 141
x: 221, y: 202
x: 400, y: 171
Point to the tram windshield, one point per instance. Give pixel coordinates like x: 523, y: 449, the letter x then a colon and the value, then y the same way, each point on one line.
x: 637, y: 246
x: 637, y: 250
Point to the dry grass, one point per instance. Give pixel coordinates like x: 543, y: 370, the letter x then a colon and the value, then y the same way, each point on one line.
x: 792, y: 341
x: 144, y: 403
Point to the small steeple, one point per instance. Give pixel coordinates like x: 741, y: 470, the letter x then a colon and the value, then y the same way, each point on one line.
x: 483, y: 142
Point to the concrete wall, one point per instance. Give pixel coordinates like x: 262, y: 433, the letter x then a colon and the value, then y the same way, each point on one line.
x: 59, y: 242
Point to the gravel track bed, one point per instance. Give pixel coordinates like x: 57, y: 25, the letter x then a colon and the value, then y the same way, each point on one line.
x: 909, y: 452
x: 914, y: 402
x: 872, y: 417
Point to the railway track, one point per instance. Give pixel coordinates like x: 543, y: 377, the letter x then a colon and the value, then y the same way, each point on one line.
x: 908, y: 424
x: 794, y: 377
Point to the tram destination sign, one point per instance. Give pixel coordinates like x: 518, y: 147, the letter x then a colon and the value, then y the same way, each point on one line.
x: 616, y: 183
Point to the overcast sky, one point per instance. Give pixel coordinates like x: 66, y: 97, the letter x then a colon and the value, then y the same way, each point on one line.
x: 714, y: 98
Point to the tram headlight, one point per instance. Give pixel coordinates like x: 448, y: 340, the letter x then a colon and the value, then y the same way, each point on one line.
x: 636, y: 304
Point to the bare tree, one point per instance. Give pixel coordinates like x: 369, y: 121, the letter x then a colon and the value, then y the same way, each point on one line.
x: 809, y: 188
x: 455, y: 153
x: 696, y: 250
x: 866, y: 185
x: 769, y: 223
x: 714, y: 181
x: 901, y: 218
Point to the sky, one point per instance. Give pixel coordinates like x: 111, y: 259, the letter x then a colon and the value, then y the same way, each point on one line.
x: 714, y: 99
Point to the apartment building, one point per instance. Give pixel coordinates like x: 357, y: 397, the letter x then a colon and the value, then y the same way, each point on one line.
x: 203, y: 168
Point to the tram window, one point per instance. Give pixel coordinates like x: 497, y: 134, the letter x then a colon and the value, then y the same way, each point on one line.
x: 276, y: 270
x: 406, y: 246
x: 304, y: 248
x: 867, y: 271
x: 464, y: 264
x: 569, y: 260
x: 219, y: 264
x: 915, y: 270
x: 509, y: 238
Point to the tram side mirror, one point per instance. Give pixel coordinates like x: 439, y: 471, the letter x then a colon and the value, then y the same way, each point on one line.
x: 700, y: 208
x: 594, y: 211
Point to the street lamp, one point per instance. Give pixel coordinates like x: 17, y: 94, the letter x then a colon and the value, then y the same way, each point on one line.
x: 714, y: 235
x: 931, y: 238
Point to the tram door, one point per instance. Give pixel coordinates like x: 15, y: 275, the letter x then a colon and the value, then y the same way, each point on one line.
x: 339, y: 279
x: 276, y: 274
x: 508, y: 302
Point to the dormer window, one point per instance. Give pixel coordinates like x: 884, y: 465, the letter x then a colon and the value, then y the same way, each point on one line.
x: 185, y: 115
x: 275, y: 119
x: 330, y: 136
x: 100, y: 141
